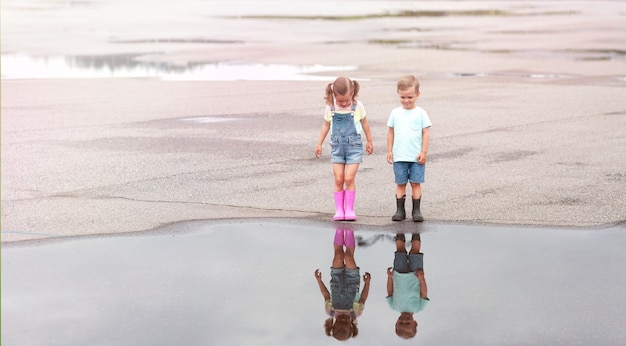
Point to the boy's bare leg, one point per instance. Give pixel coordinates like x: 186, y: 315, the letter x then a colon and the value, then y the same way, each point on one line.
x: 416, y: 243
x: 400, y: 191
x: 400, y: 243
x: 416, y: 190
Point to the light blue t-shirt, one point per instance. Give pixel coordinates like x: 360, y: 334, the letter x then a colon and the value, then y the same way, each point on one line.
x: 406, y: 293
x: 407, y: 127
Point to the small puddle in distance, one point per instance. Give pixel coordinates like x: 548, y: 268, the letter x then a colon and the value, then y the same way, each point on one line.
x: 23, y: 66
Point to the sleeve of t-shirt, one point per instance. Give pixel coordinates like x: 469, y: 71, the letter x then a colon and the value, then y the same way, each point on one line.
x: 328, y: 115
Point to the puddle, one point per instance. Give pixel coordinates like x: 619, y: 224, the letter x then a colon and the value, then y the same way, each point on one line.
x: 22, y: 66
x: 252, y: 282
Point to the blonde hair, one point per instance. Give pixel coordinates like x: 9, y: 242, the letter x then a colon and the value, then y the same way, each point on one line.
x: 407, y: 82
x: 341, y: 331
x: 341, y: 86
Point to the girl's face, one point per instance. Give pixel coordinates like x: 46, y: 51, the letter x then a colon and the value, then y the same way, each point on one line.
x: 408, y: 97
x: 343, y: 101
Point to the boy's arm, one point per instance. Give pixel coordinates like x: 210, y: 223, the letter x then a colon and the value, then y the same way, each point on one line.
x: 369, y: 147
x: 390, y: 145
x: 320, y: 283
x: 320, y: 140
x: 421, y: 159
x: 389, y: 282
x: 423, y: 287
x: 366, y: 287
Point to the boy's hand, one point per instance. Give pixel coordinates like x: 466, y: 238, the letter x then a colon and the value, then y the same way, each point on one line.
x: 367, y: 277
x: 318, y: 275
x: 369, y: 148
x: 390, y: 158
x: 421, y: 158
x: 419, y: 273
x: 389, y: 272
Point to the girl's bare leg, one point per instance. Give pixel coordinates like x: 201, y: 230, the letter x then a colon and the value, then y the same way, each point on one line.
x: 338, y: 258
x: 349, y: 258
x: 350, y: 175
x: 339, y: 173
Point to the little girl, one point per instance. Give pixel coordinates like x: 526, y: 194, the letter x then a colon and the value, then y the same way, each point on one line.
x: 345, y: 118
x: 344, y: 304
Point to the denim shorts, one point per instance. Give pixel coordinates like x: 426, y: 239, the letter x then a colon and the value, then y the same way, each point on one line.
x: 408, y: 263
x: 346, y: 150
x: 408, y: 171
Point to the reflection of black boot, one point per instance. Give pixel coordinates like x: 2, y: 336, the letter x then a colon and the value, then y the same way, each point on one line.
x: 415, y: 236
x: 417, y: 215
x: 400, y: 212
x: 400, y: 236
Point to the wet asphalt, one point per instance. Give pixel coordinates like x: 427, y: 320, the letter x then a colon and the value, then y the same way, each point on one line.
x: 140, y: 210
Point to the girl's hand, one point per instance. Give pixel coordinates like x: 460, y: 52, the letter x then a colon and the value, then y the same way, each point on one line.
x: 369, y: 148
x: 367, y: 277
x: 318, y: 151
x: 390, y: 158
x: 318, y: 275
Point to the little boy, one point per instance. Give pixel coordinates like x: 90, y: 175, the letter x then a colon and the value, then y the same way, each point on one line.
x: 407, y: 146
x: 406, y: 286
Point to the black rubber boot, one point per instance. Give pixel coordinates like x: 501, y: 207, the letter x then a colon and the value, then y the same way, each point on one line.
x: 417, y: 215
x: 400, y: 212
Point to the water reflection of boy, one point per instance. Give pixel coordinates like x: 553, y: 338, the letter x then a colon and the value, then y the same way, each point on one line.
x: 345, y: 304
x: 407, y: 292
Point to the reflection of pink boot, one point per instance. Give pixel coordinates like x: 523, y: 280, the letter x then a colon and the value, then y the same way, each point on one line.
x: 338, y: 237
x: 349, y: 214
x: 339, y: 208
x: 350, y: 241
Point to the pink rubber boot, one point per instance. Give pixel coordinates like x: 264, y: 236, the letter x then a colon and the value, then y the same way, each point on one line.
x: 349, y: 211
x: 339, y: 208
x: 338, y: 237
x: 350, y: 241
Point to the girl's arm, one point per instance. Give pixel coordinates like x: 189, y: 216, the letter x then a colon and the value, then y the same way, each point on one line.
x: 366, y: 288
x: 421, y: 159
x: 320, y: 283
x: 390, y: 146
x: 320, y: 141
x: 369, y: 147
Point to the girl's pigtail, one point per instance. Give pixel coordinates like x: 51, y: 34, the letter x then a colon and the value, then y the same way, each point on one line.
x: 355, y: 88
x: 328, y: 326
x: 355, y: 329
x: 329, y: 96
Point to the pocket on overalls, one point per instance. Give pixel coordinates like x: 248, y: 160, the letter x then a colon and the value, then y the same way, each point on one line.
x: 355, y: 141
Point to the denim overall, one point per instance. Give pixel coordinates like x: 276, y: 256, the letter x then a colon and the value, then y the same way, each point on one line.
x: 342, y: 296
x: 345, y: 143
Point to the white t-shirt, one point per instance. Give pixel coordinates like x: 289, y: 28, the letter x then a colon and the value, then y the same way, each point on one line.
x: 359, y: 113
x: 407, y: 127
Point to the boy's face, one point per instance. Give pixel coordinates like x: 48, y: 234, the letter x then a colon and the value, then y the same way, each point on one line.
x: 406, y: 327
x: 408, y: 97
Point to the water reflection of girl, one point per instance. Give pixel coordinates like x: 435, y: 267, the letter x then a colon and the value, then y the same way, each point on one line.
x: 343, y: 303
